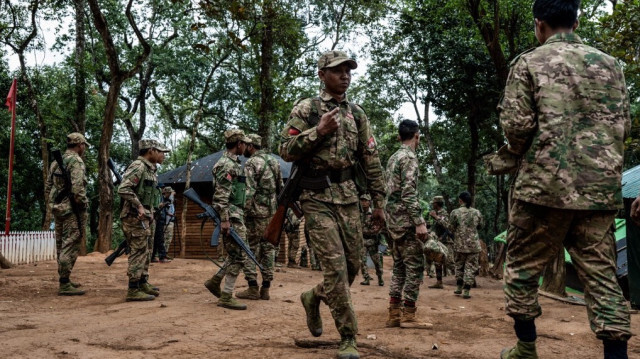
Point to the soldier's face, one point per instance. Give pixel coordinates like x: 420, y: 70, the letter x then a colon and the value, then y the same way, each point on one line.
x: 336, y: 79
x: 158, y: 156
x: 365, y: 204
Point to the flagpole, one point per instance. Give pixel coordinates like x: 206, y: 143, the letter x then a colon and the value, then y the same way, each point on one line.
x: 12, y: 107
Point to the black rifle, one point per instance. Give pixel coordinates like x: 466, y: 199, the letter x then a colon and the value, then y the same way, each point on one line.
x: 112, y: 167
x: 67, y: 191
x: 209, y: 212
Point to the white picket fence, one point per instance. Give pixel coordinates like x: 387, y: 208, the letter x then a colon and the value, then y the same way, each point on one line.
x: 28, y: 247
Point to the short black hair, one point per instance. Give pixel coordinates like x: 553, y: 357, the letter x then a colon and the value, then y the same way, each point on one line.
x: 466, y: 198
x: 144, y: 151
x: 407, y: 129
x: 72, y: 145
x: 557, y: 13
x: 256, y: 146
x: 231, y: 145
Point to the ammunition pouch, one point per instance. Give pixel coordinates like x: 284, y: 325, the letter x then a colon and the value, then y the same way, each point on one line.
x: 238, y: 193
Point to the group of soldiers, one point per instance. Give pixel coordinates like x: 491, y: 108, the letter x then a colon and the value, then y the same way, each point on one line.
x: 565, y: 115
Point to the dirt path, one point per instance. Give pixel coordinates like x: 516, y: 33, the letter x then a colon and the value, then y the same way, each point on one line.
x: 184, y: 322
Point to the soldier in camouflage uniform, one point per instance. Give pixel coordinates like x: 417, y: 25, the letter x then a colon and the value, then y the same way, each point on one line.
x: 229, y: 201
x: 170, y: 219
x: 68, y: 230
x: 565, y: 111
x: 440, y: 224
x: 139, y: 196
x: 264, y: 182
x: 330, y: 135
x: 465, y: 222
x: 371, y: 237
x: 292, y: 228
x: 406, y: 228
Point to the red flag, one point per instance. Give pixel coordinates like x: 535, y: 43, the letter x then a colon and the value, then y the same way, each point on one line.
x: 11, y: 98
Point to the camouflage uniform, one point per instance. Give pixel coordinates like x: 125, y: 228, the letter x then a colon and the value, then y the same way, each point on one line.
x: 332, y: 214
x: 292, y: 227
x: 465, y: 223
x: 441, y: 229
x: 565, y: 111
x: 138, y: 186
x: 68, y: 235
x: 371, y: 236
x: 264, y: 182
x: 404, y: 215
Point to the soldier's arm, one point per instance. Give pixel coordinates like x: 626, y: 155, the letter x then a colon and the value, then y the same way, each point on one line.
x: 130, y: 180
x: 297, y: 138
x: 517, y: 109
x: 49, y: 183
x: 481, y: 221
x: 77, y: 173
x: 409, y: 196
x: 223, y: 181
x: 250, y: 172
x: 370, y: 160
x: 443, y: 220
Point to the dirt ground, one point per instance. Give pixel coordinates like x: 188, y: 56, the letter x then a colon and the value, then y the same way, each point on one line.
x: 184, y: 321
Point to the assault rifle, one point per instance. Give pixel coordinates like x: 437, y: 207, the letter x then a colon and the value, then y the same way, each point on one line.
x: 67, y: 191
x: 286, y: 199
x: 209, y: 212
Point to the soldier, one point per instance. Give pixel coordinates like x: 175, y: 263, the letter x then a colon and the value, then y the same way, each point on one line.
x: 229, y: 200
x: 264, y: 182
x: 440, y: 223
x: 161, y: 221
x: 327, y: 135
x: 139, y: 197
x: 407, y: 229
x: 465, y: 222
x: 371, y: 237
x: 67, y: 226
x: 292, y: 228
x: 565, y: 112
x: 170, y: 212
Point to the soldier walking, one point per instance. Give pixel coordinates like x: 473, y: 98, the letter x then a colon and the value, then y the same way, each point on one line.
x: 371, y: 237
x: 328, y: 135
x: 68, y: 225
x: 465, y: 223
x: 440, y: 224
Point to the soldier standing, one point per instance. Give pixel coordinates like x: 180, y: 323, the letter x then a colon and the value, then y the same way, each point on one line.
x: 565, y: 111
x: 371, y: 237
x: 229, y: 200
x: 328, y: 135
x: 406, y: 228
x: 292, y: 228
x: 161, y: 221
x: 170, y: 212
x: 140, y: 197
x: 264, y: 182
x: 440, y: 224
x: 67, y: 226
x: 465, y: 222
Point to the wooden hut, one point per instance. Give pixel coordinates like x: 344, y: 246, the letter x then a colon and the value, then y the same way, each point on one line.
x: 197, y: 241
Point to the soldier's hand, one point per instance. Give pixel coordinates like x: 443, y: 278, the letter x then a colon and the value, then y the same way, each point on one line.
x: 421, y: 232
x: 225, y: 227
x: 635, y: 210
x: 433, y: 214
x: 329, y: 122
x: 141, y: 213
x: 378, y: 217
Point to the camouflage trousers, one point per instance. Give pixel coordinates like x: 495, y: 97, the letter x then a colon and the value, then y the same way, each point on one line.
x: 168, y: 235
x: 371, y: 248
x: 408, y: 265
x: 449, y: 266
x: 536, y: 234
x: 140, y: 243
x: 466, y: 267
x: 294, y: 245
x: 335, y: 234
x: 234, y: 259
x: 264, y: 251
x: 68, y: 239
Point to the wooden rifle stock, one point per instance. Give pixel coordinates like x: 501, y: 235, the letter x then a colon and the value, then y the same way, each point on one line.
x: 274, y: 230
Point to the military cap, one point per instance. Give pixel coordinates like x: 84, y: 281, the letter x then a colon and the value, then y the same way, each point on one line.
x: 335, y: 58
x: 437, y: 199
x: 254, y: 139
x: 234, y: 135
x: 76, y: 138
x: 149, y: 143
x: 365, y: 197
x: 167, y: 189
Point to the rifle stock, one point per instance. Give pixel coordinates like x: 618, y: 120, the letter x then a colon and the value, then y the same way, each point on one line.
x: 122, y: 248
x: 286, y: 198
x: 274, y: 230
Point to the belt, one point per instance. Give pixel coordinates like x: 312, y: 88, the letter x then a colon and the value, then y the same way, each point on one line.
x: 335, y: 176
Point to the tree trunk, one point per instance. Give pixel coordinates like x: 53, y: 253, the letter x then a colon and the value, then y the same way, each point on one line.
x: 80, y: 72
x: 554, y: 275
x: 265, y: 113
x: 4, y: 263
x: 497, y: 269
x: 473, y: 152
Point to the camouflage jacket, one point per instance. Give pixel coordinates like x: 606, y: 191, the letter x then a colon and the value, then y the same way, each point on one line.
x: 226, y: 173
x: 264, y: 182
x: 403, y: 208
x: 138, y: 186
x: 565, y: 110
x: 55, y: 184
x: 465, y: 223
x: 440, y: 226
x: 368, y: 229
x: 351, y: 143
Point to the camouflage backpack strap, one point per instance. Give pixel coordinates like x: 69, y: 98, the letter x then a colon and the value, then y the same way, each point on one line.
x: 357, y: 111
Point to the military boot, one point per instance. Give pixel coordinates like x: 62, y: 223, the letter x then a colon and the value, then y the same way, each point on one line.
x: 148, y: 288
x: 395, y: 312
x: 227, y: 301
x: 76, y: 285
x: 311, y: 306
x: 252, y: 293
x: 409, y: 319
x: 69, y: 289
x: 380, y: 281
x: 458, y: 290
x: 138, y: 295
x: 437, y: 285
x: 465, y: 291
x: 365, y: 281
x: 348, y: 348
x: 213, y: 285
x: 522, y: 350
x: 264, y: 293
